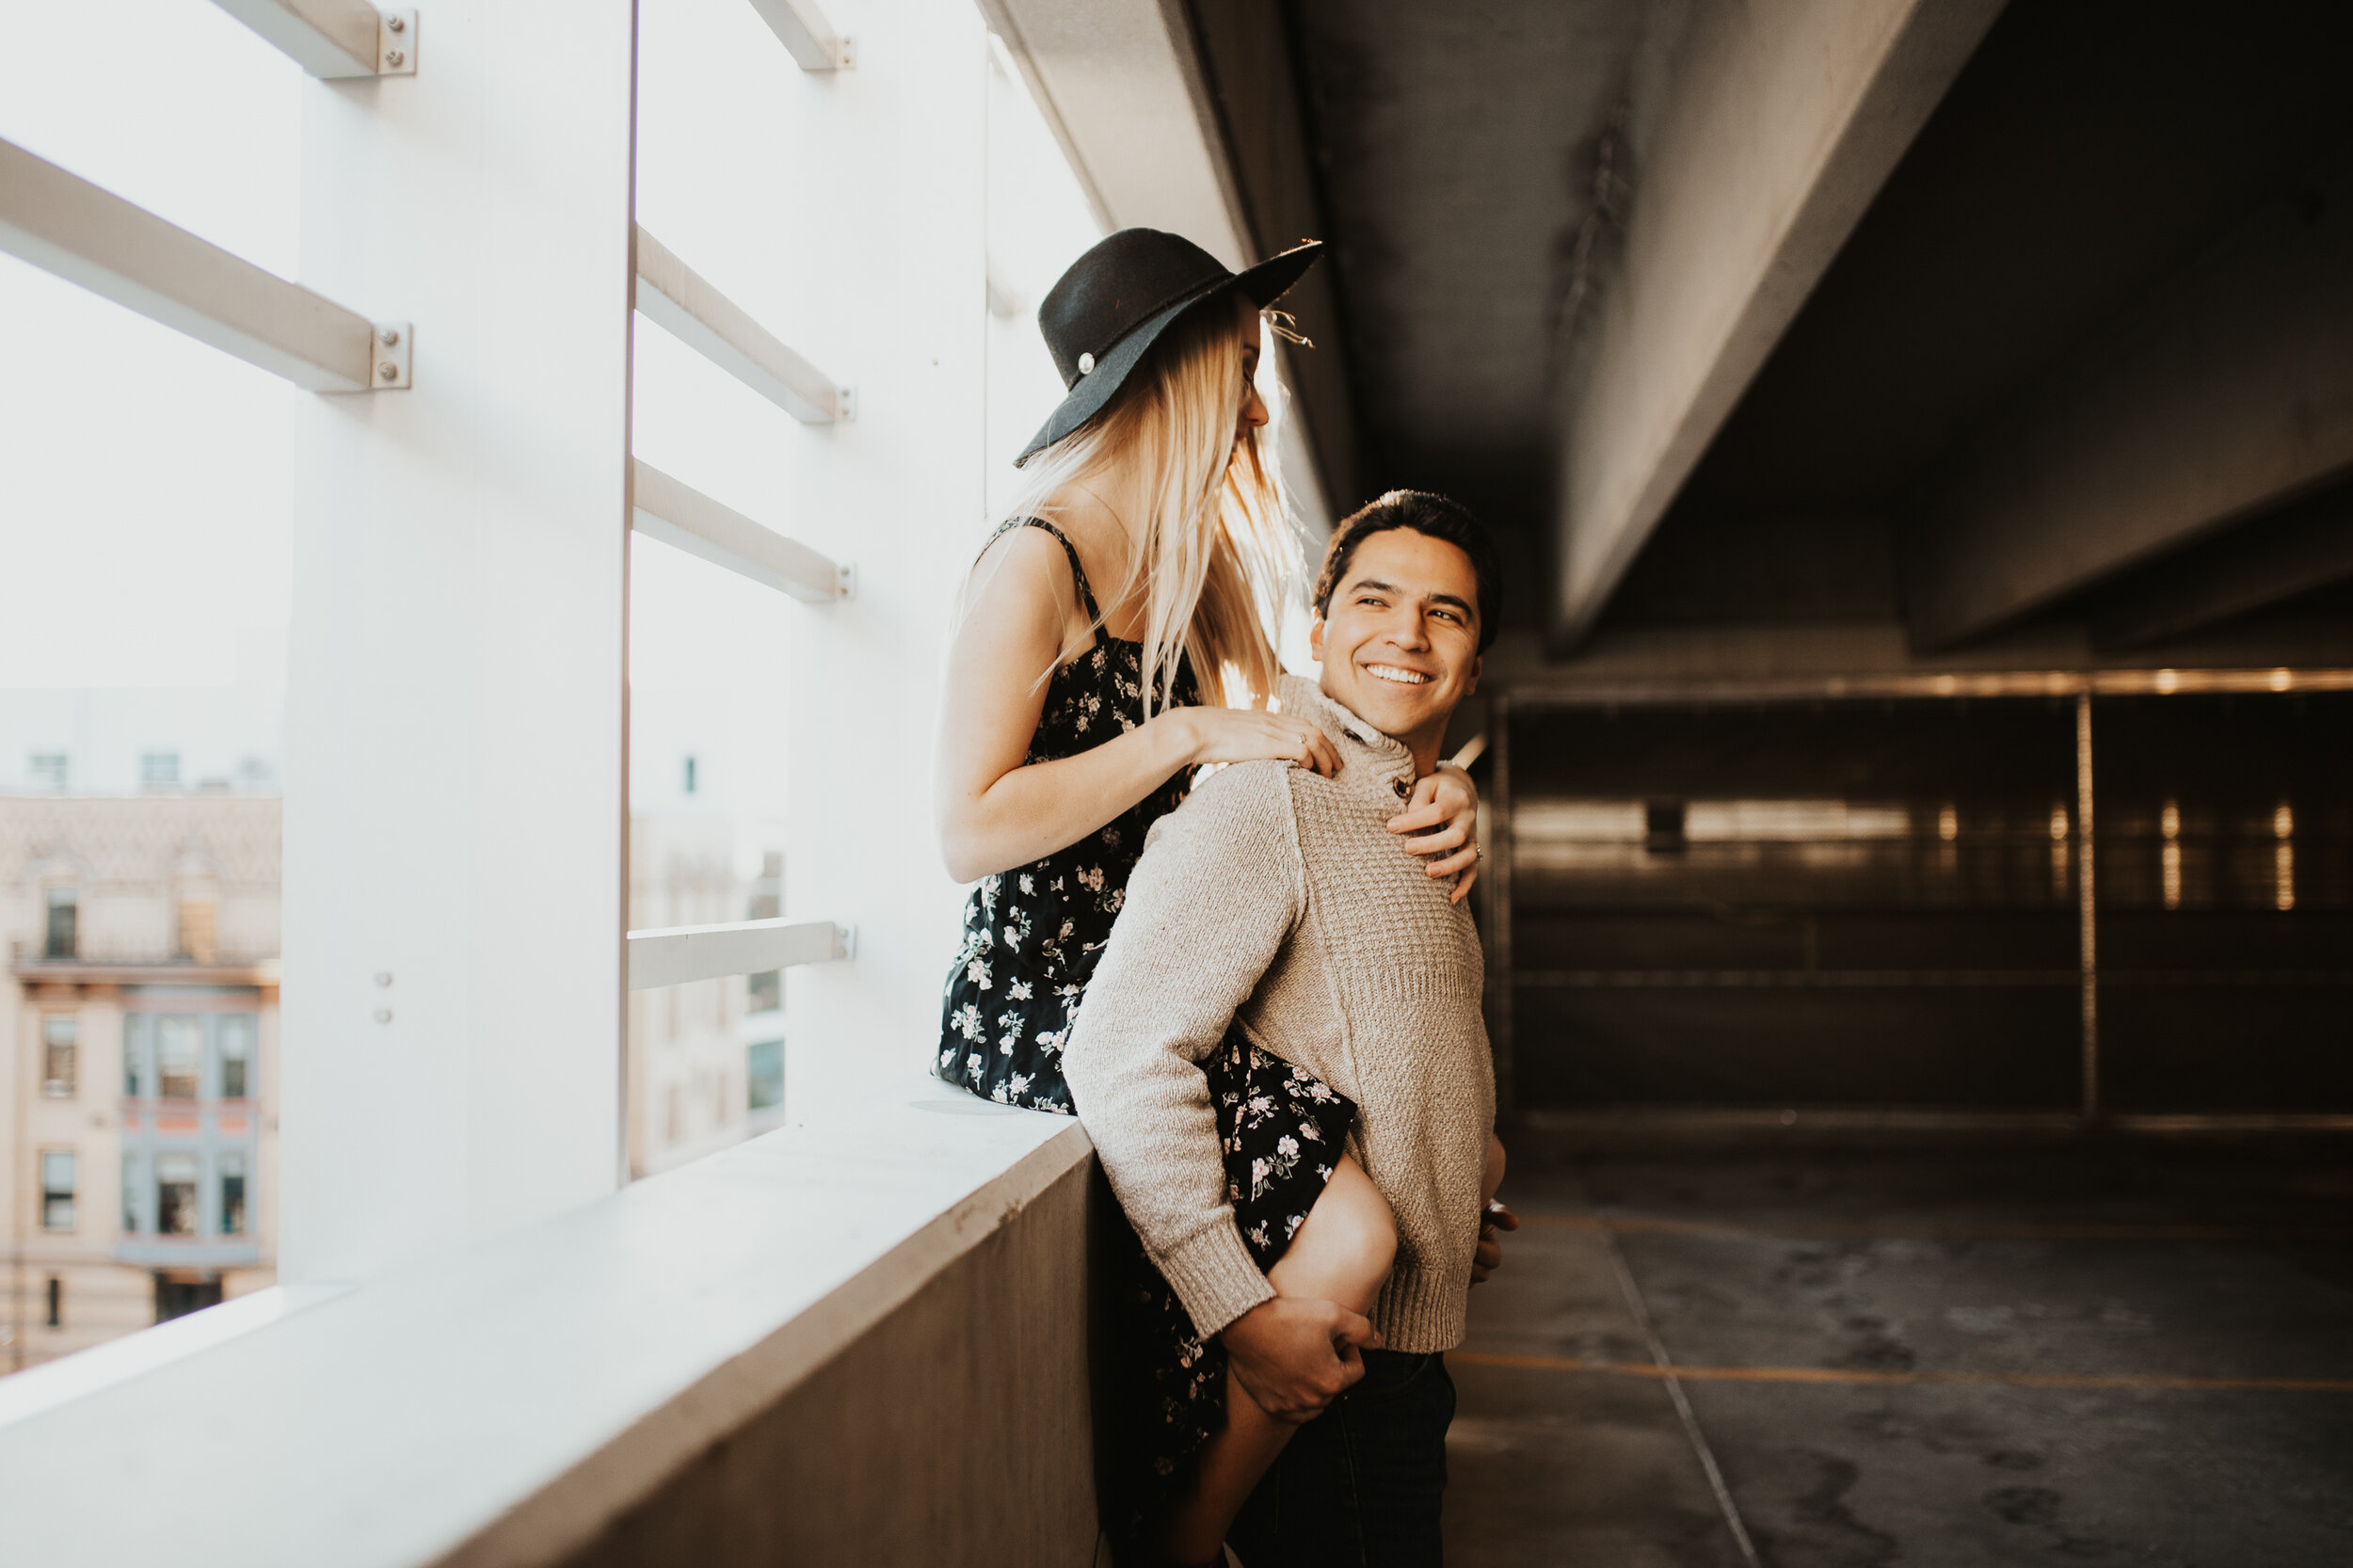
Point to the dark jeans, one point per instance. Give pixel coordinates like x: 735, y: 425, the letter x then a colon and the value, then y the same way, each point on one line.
x: 1360, y: 1485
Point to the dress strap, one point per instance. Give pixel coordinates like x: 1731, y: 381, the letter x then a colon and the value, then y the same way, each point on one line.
x: 1078, y: 572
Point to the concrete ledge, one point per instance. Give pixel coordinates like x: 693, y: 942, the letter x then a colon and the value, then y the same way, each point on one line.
x: 514, y: 1403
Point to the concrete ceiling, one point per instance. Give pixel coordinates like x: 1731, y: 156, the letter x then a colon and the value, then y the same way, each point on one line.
x: 2085, y: 159
x: 2087, y: 151
x: 1456, y: 144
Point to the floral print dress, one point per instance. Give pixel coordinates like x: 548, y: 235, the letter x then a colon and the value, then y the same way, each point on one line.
x: 1032, y: 936
x: 1031, y: 939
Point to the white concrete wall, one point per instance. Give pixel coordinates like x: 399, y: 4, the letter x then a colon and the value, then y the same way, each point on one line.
x: 455, y: 763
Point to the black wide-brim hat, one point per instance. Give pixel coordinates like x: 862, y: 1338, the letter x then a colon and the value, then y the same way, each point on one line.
x: 1103, y: 316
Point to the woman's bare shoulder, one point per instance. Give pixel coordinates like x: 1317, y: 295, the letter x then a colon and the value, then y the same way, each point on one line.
x: 1023, y: 568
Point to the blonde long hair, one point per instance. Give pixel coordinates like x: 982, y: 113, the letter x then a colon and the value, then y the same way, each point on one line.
x: 1217, y: 554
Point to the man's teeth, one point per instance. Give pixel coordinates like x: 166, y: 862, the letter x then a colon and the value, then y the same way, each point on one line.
x: 1390, y: 672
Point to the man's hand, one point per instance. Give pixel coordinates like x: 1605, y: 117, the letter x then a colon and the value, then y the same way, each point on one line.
x: 1489, y: 1257
x: 1296, y: 1356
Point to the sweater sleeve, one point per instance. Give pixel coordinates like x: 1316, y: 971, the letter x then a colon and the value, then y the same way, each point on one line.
x: 1213, y: 901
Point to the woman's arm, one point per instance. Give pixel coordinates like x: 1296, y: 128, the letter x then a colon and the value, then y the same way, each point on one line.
x: 993, y: 812
x: 1448, y: 801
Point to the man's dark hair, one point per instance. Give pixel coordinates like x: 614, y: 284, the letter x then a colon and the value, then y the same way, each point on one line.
x: 1446, y: 520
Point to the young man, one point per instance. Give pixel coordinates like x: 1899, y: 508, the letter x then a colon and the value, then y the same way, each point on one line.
x: 1274, y: 902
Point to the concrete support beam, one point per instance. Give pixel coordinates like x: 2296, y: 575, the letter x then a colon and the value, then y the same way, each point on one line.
x: 1784, y: 118
x: 2229, y: 393
x: 1122, y: 85
x: 2308, y: 545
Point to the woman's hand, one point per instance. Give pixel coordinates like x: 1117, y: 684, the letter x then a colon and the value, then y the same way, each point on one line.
x: 1250, y: 735
x: 1448, y: 801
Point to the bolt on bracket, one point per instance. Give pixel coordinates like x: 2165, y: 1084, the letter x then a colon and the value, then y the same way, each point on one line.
x: 396, y: 44
x: 389, y: 369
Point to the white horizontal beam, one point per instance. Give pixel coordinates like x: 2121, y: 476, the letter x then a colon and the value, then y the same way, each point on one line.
x: 682, y: 953
x: 334, y: 38
x: 61, y: 223
x: 706, y: 321
x: 682, y: 517
x: 805, y: 33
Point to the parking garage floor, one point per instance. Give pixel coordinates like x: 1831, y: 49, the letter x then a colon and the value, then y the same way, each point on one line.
x: 2108, y: 1352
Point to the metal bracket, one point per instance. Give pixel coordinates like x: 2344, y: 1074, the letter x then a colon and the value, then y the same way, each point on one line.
x: 845, y: 403
x: 845, y: 936
x: 390, y: 353
x: 845, y: 578
x: 396, y: 54
x: 845, y: 53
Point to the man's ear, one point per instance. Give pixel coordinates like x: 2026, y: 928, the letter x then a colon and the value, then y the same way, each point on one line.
x: 1314, y: 635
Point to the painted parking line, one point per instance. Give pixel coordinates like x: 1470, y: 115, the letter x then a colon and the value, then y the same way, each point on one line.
x: 1640, y: 1224
x: 1841, y: 1376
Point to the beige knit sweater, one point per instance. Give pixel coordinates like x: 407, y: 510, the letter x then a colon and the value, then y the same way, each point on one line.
x: 1279, y: 896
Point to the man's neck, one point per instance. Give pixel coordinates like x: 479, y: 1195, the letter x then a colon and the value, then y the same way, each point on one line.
x: 1423, y: 744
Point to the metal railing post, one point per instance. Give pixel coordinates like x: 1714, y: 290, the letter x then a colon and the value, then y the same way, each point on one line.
x: 2086, y: 912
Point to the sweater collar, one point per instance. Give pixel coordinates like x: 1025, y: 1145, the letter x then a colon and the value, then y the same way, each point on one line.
x: 1383, y: 758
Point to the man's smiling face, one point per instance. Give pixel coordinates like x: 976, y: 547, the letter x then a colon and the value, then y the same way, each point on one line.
x: 1400, y: 640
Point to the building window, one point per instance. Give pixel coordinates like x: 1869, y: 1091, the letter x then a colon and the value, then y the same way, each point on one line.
x: 237, y: 1056
x: 159, y: 769
x: 63, y: 939
x: 690, y: 775
x: 763, y: 1074
x: 57, y: 1189
x: 179, y: 1055
x: 232, y: 1195
x: 175, y: 1195
x: 57, y: 1302
x: 177, y: 1298
x: 45, y: 770
x: 130, y: 1194
x: 60, y: 1054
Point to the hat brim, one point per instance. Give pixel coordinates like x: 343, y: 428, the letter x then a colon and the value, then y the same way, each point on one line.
x: 1264, y: 284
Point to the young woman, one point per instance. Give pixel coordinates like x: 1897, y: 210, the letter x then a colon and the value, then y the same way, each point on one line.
x: 1113, y: 638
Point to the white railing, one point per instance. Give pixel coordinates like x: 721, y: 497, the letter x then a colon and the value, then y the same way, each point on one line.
x: 803, y: 31
x: 63, y: 224
x: 681, y: 516
x: 333, y: 38
x: 676, y: 955
x: 677, y: 297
